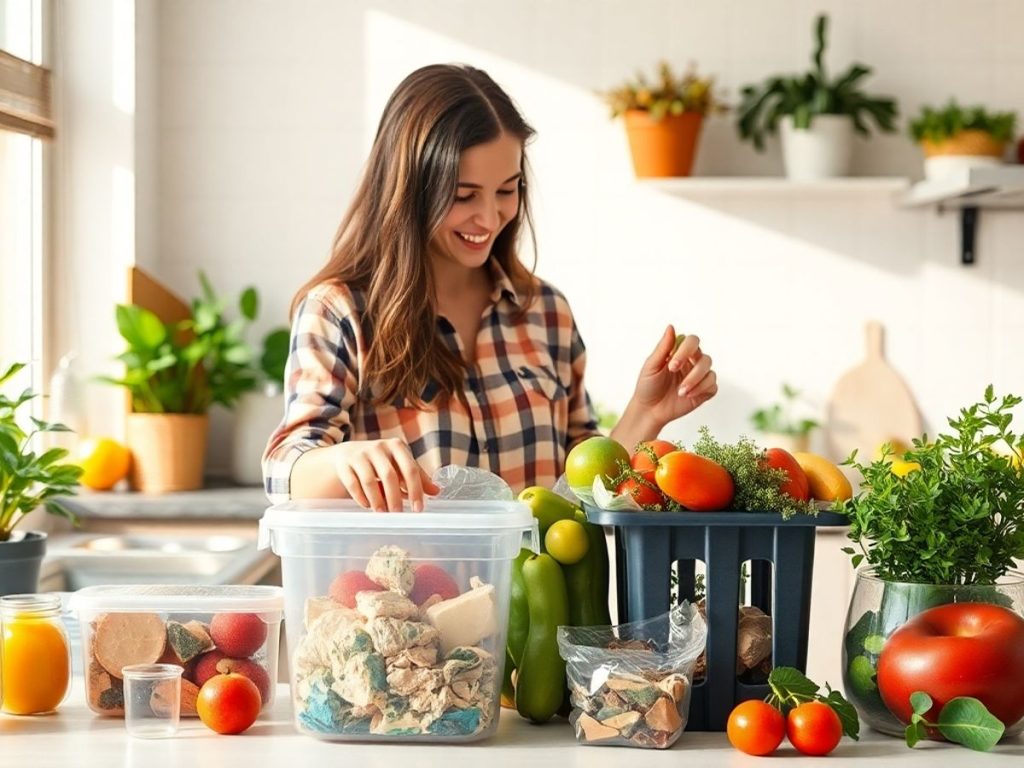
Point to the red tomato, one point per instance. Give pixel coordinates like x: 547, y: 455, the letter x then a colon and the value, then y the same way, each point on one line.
x: 755, y: 727
x: 798, y: 487
x: 699, y: 484
x: 645, y: 456
x: 961, y: 649
x: 644, y: 490
x: 814, y: 728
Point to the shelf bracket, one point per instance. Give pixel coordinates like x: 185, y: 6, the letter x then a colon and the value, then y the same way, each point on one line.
x: 968, y: 232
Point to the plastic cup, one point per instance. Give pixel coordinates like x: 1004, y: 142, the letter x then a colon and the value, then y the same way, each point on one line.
x: 152, y: 700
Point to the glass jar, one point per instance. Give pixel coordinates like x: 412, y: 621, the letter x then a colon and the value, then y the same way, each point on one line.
x: 35, y: 657
x: 878, y: 608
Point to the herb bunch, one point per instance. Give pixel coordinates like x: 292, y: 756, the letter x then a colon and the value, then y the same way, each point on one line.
x: 758, y: 486
x: 938, y: 124
x: 959, y: 519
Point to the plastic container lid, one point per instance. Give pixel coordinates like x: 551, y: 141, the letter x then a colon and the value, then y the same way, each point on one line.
x: 188, y: 598
x: 438, y: 516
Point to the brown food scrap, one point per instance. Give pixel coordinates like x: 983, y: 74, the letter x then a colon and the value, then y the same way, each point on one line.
x: 674, y: 686
x: 655, y: 739
x: 664, y: 716
x: 624, y: 723
x: 625, y: 684
x: 103, y: 691
x: 593, y: 730
x: 160, y: 698
x: 631, y: 645
x: 753, y: 638
x: 187, y: 641
x: 128, y: 638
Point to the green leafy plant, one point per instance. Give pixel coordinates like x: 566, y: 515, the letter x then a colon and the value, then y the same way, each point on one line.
x: 810, y: 94
x: 959, y: 518
x: 274, y: 357
x: 790, y: 687
x: 939, y: 124
x: 963, y: 720
x: 667, y: 94
x: 757, y: 485
x: 778, y: 417
x: 188, y: 366
x: 29, y: 479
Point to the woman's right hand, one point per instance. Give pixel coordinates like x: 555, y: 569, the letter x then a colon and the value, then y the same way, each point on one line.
x: 380, y: 474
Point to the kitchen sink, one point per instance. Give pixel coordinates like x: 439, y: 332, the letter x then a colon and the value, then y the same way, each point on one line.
x: 82, y: 560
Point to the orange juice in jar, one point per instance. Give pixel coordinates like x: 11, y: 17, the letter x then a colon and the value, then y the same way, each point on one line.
x: 35, y: 659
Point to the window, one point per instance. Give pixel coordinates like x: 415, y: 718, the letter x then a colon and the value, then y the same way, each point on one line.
x: 24, y: 126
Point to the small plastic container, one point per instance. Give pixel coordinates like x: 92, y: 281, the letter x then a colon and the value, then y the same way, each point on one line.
x: 152, y: 700
x: 396, y: 622
x: 35, y: 664
x: 202, y: 629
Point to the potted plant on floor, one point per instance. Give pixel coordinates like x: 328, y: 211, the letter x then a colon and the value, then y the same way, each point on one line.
x: 663, y: 119
x: 28, y: 480
x: 174, y: 372
x: 259, y: 411
x: 779, y: 426
x: 955, y: 137
x: 817, y: 115
x: 944, y: 534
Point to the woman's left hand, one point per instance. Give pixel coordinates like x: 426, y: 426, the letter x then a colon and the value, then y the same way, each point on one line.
x: 671, y: 384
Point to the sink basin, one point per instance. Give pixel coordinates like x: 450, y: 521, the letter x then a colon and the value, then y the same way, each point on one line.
x: 85, y: 560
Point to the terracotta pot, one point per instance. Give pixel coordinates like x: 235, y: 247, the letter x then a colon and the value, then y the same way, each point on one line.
x: 972, y: 142
x: 168, y: 451
x: 662, y: 147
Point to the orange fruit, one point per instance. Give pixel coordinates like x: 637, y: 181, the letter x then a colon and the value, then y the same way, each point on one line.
x: 104, y: 462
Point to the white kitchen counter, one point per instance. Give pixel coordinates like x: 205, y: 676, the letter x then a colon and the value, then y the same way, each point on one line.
x: 74, y: 736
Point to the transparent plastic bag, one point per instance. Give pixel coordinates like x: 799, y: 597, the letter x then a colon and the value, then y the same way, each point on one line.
x: 630, y: 683
x: 473, y: 483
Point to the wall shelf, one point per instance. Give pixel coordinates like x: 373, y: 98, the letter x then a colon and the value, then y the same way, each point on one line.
x: 776, y: 185
x: 998, y: 187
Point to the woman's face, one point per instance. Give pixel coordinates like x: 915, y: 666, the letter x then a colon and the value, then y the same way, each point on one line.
x: 486, y: 200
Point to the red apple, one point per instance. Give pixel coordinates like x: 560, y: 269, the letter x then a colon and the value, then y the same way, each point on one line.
x: 797, y: 486
x: 347, y: 585
x: 433, y: 580
x: 961, y: 649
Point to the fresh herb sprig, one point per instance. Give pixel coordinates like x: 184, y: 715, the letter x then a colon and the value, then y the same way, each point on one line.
x: 959, y: 519
x: 758, y: 486
x: 963, y: 720
x: 790, y: 688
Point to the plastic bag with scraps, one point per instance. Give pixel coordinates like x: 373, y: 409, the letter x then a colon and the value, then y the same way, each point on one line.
x: 474, y: 483
x: 630, y: 683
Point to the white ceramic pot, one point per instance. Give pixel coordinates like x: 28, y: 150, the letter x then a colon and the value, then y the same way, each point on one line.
x: 823, y: 151
x: 945, y: 166
x: 256, y: 417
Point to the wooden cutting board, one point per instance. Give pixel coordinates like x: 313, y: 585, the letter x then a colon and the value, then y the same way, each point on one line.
x: 870, y: 405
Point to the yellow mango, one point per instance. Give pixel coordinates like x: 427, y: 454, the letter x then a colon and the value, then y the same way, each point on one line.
x: 826, y: 481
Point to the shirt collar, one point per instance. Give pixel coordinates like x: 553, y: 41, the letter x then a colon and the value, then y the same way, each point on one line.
x: 502, y: 284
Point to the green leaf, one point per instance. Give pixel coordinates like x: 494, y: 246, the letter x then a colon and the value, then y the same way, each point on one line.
x: 249, y: 303
x: 920, y: 703
x: 140, y: 327
x: 914, y: 733
x: 792, y: 681
x: 874, y: 644
x: 965, y: 720
x: 846, y: 711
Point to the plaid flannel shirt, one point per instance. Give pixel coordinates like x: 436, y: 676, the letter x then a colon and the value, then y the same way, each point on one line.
x: 527, y: 402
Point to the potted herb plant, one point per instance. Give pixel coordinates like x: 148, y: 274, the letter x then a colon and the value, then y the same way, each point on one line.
x: 954, y: 137
x: 945, y: 533
x: 28, y: 480
x: 780, y: 427
x: 174, y: 372
x: 259, y: 411
x: 817, y: 115
x: 663, y: 118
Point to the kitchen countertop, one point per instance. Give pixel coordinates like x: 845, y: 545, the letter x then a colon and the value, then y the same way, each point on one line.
x: 226, y: 502
x: 75, y: 736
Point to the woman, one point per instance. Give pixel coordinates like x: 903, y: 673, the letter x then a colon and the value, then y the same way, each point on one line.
x: 424, y: 341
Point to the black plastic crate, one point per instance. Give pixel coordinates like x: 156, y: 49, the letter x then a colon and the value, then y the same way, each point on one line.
x: 648, y: 543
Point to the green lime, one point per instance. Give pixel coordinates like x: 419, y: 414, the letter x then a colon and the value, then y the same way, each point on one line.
x: 862, y: 676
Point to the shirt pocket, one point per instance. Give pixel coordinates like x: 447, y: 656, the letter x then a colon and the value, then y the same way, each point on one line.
x: 541, y: 385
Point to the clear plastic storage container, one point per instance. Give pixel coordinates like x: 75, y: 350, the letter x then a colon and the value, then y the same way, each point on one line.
x: 396, y: 622
x: 205, y: 630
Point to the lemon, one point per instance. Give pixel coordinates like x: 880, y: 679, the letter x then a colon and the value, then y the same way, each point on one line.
x: 104, y: 462
x: 567, y: 541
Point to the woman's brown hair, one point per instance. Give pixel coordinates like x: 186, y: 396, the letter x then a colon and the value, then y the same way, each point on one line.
x: 408, y: 186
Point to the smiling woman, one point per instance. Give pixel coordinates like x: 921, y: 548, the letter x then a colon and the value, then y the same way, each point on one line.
x: 425, y: 341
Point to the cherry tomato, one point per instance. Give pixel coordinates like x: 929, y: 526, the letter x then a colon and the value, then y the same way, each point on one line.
x: 814, y: 728
x: 645, y: 456
x: 756, y: 728
x: 643, y: 490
